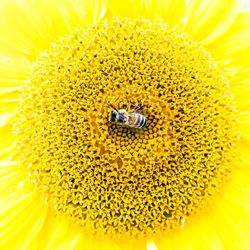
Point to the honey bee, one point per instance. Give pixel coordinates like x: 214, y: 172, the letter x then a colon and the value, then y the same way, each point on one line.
x: 133, y: 119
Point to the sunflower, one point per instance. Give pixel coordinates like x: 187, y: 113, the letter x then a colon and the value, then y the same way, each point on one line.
x: 124, y: 125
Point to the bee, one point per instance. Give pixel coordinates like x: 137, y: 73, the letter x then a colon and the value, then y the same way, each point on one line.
x: 133, y: 119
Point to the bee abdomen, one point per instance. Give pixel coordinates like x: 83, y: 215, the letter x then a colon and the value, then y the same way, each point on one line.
x: 142, y: 121
x: 137, y: 121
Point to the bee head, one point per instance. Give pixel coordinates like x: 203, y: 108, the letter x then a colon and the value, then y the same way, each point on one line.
x: 113, y: 116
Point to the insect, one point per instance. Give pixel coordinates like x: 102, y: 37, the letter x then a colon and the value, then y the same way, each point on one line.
x: 133, y: 119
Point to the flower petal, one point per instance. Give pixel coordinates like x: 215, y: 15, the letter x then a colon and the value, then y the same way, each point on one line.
x: 23, y: 218
x: 4, y: 119
x: 7, y: 144
x: 13, y: 72
x: 172, y: 12
x: 39, y: 23
x: 226, y: 216
x: 129, y: 9
x: 241, y: 90
x: 233, y: 48
x: 207, y: 20
x: 235, y: 202
x: 18, y: 214
x: 167, y: 11
x: 203, y: 20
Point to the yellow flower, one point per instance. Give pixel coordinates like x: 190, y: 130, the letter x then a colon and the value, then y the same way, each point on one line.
x: 71, y: 177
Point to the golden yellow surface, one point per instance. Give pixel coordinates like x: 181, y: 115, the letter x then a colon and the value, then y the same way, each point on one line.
x: 28, y: 219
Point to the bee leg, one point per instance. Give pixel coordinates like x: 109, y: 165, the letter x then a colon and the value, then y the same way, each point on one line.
x: 138, y: 109
x: 129, y: 106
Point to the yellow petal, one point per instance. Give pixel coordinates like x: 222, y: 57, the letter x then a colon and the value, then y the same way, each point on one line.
x: 129, y: 8
x: 172, y: 12
x: 225, y: 224
x: 6, y: 118
x: 239, y: 61
x: 22, y: 212
x: 7, y: 140
x: 25, y: 217
x: 35, y: 24
x: 207, y: 20
x: 59, y: 233
x: 6, y: 109
x: 235, y: 42
x: 203, y: 20
x: 13, y: 73
x: 244, y: 146
x: 7, y: 151
x: 8, y: 104
x: 235, y: 201
x: 241, y: 90
x: 167, y: 11
x: 53, y: 234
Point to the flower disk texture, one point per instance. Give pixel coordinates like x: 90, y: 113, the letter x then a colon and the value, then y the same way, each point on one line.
x: 114, y: 180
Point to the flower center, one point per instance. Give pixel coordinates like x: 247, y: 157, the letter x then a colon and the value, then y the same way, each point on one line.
x: 118, y: 180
